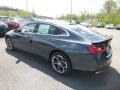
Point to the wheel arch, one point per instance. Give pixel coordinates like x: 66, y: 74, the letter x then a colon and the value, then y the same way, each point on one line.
x: 57, y: 50
x: 8, y: 36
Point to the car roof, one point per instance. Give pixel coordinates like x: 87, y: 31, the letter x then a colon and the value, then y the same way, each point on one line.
x: 58, y: 23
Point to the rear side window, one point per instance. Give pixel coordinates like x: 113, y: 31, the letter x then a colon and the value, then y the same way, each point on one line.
x: 50, y: 29
x: 56, y: 31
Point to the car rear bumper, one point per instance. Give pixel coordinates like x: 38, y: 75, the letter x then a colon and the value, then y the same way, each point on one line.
x: 87, y: 62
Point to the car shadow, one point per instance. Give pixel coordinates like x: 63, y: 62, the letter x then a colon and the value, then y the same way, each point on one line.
x: 109, y: 80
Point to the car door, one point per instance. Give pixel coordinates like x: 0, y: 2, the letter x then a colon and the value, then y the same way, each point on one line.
x: 44, y: 40
x: 23, y: 39
x: 41, y: 44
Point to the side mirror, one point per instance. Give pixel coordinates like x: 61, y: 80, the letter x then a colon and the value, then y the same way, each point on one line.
x: 18, y: 30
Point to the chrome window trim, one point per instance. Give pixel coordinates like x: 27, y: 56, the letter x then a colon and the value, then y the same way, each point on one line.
x: 67, y: 34
x: 27, y: 25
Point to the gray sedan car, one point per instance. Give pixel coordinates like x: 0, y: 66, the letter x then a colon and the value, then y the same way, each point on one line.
x: 65, y: 46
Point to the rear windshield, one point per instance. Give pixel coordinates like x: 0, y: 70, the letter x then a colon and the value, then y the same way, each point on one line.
x: 86, y: 32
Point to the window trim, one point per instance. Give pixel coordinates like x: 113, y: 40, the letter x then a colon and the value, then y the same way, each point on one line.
x: 67, y: 34
x: 26, y: 25
x: 38, y: 28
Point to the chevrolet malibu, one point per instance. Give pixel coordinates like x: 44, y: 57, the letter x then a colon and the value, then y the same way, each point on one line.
x: 65, y: 46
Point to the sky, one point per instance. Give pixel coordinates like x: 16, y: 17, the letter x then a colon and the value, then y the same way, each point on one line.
x: 55, y: 8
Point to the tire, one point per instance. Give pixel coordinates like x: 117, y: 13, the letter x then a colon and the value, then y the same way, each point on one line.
x: 60, y: 63
x: 10, y: 45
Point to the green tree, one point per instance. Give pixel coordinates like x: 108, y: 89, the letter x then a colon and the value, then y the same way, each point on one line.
x: 7, y: 11
x: 109, y: 6
x: 84, y: 15
x: 68, y: 16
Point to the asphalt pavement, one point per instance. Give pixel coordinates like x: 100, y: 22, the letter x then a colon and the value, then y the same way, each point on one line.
x: 24, y: 71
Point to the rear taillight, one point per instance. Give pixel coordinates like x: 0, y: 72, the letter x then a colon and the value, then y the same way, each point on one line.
x: 96, y: 49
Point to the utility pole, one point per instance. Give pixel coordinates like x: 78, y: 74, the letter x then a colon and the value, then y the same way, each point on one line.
x: 27, y: 5
x: 71, y: 12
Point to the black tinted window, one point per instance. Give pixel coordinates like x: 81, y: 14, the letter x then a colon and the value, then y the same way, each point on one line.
x: 51, y: 30
x: 59, y: 31
x: 56, y: 31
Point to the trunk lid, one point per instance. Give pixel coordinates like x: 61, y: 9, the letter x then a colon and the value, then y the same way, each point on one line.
x: 106, y: 47
x: 104, y: 42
